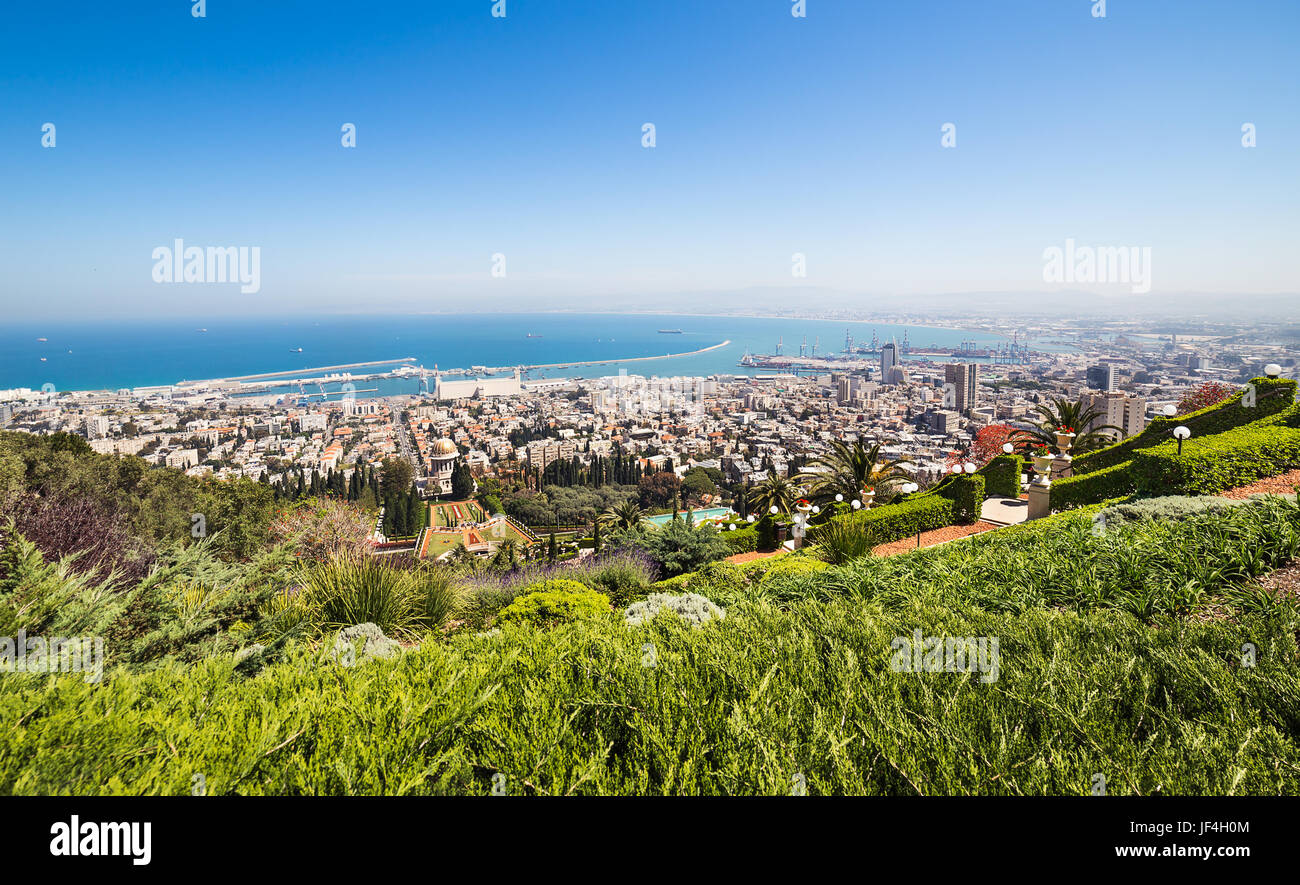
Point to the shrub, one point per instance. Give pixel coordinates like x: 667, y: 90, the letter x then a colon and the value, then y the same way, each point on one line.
x: 891, y: 522
x: 345, y: 591
x: 319, y: 528
x: 1172, y: 507
x: 743, y: 540
x: 368, y: 643
x: 1272, y: 395
x: 1212, y: 464
x: 967, y: 496
x: 1090, y: 488
x: 437, y: 597
x: 677, y: 546
x: 792, y: 565
x: 840, y: 540
x: 1002, y: 476
x: 690, y: 607
x: 554, y: 602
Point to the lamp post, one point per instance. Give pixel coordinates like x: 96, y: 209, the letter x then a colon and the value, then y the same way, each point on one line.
x: 1181, y: 432
x: 1272, y: 370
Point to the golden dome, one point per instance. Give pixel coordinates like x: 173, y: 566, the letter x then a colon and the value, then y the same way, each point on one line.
x: 445, y: 447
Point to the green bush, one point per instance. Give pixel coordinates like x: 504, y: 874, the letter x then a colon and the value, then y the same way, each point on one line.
x: 891, y: 522
x: 554, y: 602
x: 1272, y: 395
x: 841, y: 540
x: 1172, y: 507
x: 690, y: 607
x: 1002, y: 476
x: 967, y: 496
x: 737, y: 709
x: 1212, y: 464
x: 792, y: 565
x: 742, y: 540
x: 1090, y: 488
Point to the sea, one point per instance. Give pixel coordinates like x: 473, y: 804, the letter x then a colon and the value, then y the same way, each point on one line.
x: 66, y: 355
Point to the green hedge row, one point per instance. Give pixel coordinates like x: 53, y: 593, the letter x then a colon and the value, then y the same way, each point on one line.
x: 954, y: 501
x: 1100, y: 485
x: 966, y: 494
x: 741, y: 540
x: 1002, y: 476
x: 893, y: 522
x: 1272, y: 395
x: 1214, y: 463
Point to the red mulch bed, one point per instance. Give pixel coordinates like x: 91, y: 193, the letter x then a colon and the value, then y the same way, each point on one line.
x: 935, y: 536
x: 1282, y: 484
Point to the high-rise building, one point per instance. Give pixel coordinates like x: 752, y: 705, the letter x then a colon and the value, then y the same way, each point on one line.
x: 888, y: 360
x: 97, y: 427
x: 965, y: 378
x: 846, y: 389
x: 1102, y: 377
x: 1118, y: 409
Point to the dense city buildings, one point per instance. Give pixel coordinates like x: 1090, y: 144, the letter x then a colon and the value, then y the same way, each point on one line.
x: 745, y: 425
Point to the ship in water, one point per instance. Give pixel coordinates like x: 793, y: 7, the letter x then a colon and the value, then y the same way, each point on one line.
x: 670, y: 332
x: 534, y: 335
x: 295, y: 350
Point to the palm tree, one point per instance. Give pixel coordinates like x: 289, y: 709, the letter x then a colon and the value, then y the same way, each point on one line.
x: 775, y: 491
x: 848, y: 470
x: 1060, y: 412
x: 507, y: 555
x: 625, y: 516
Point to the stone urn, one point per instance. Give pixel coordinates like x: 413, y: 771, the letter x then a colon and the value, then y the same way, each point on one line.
x: 1043, y: 467
x: 1065, y: 441
x: 868, y: 496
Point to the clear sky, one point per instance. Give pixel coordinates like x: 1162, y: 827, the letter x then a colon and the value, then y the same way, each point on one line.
x: 523, y: 136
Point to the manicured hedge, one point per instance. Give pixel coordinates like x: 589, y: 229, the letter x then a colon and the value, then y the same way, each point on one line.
x: 892, y: 522
x: 1002, y: 476
x: 741, y: 540
x: 1215, y: 463
x: 1090, y: 488
x: 1272, y: 395
x: 967, y: 496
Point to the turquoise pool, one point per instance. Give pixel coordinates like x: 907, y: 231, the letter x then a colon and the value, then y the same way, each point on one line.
x: 697, y: 515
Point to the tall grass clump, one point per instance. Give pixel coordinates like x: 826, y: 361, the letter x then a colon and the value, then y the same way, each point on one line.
x: 347, y: 590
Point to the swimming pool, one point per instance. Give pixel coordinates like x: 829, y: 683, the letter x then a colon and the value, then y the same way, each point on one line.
x: 697, y: 515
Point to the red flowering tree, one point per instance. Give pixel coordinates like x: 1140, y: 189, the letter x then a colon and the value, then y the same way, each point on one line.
x: 1203, y: 396
x: 987, y: 445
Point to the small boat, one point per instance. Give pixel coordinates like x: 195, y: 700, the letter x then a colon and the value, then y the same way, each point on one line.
x: 531, y: 335
x: 200, y: 330
x: 295, y: 350
x: 42, y: 339
x: 42, y: 359
x: 670, y: 331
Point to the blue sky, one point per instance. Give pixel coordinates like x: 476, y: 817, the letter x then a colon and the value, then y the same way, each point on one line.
x: 522, y: 136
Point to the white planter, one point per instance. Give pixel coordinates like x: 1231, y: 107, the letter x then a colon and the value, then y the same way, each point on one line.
x: 1065, y: 441
x: 867, y: 498
x: 1043, y: 463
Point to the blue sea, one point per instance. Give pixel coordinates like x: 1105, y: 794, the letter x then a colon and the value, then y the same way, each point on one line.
x: 108, y: 356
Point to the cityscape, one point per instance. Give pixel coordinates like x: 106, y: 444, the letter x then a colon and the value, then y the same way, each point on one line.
x: 854, y: 420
